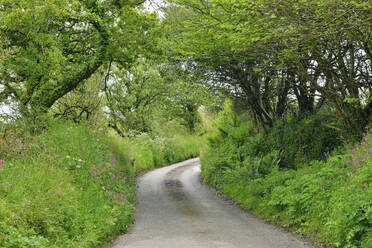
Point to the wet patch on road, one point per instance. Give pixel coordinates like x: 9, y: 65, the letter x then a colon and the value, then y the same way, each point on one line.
x: 185, y: 205
x: 174, y: 188
x: 177, y: 193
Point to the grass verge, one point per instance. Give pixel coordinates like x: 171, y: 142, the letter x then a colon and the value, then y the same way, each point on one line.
x: 330, y: 200
x: 71, y: 187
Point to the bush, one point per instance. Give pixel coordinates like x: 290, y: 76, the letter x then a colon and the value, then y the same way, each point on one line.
x: 303, y: 139
x: 289, y: 144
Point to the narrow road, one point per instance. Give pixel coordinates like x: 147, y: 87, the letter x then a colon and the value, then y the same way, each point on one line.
x: 174, y: 210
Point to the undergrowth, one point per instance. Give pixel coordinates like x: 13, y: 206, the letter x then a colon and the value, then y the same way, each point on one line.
x: 304, y: 182
x: 71, y: 187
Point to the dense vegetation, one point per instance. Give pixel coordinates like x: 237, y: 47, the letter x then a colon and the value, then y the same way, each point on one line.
x: 299, y: 74
x: 71, y: 187
x: 281, y: 57
x: 300, y: 177
x: 94, y: 91
x: 87, y: 103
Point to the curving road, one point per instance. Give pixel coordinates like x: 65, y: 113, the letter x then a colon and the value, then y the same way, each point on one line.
x: 174, y: 210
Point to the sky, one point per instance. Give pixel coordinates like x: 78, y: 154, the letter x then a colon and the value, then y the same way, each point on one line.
x: 155, y: 5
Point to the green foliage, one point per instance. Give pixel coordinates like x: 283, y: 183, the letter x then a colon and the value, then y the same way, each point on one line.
x: 276, y: 58
x: 83, y: 104
x: 289, y: 144
x: 147, y: 94
x: 149, y: 153
x: 329, y: 196
x: 303, y: 139
x: 63, y: 189
x: 71, y: 187
x: 48, y: 47
x: 133, y: 96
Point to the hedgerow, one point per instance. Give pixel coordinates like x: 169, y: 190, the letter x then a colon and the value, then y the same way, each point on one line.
x: 301, y: 182
x: 72, y: 187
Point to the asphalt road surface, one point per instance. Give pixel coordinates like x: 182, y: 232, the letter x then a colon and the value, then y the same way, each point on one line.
x: 174, y: 210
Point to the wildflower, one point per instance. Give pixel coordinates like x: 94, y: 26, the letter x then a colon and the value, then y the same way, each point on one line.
x: 365, y: 186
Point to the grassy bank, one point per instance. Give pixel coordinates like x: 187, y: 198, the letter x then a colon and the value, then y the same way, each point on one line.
x: 71, y: 187
x: 298, y: 177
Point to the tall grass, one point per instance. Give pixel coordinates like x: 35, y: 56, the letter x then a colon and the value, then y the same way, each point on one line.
x: 71, y: 187
x: 146, y: 153
x: 331, y: 200
x: 293, y: 178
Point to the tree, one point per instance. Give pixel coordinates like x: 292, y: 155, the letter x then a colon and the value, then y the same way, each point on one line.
x: 139, y: 96
x: 186, y: 94
x: 279, y: 53
x: 85, y: 103
x: 132, y: 95
x: 49, y: 47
